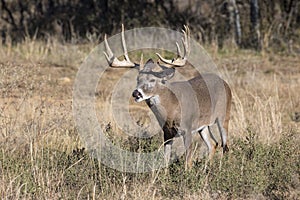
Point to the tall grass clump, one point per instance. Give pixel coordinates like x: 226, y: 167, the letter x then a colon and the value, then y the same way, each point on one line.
x: 255, y: 168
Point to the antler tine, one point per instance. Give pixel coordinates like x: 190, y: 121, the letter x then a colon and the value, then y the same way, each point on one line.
x: 109, y: 56
x: 180, y: 60
x: 112, y: 60
x: 178, y: 50
x: 163, y: 59
x: 186, y: 41
x: 124, y: 45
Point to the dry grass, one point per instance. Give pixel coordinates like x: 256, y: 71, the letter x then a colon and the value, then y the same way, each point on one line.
x: 265, y: 94
x: 41, y: 155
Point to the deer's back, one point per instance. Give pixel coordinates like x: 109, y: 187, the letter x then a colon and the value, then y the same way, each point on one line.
x: 202, y: 99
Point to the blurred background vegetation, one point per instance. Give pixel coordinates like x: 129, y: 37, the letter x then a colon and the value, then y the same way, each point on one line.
x: 254, y: 43
x: 256, y: 24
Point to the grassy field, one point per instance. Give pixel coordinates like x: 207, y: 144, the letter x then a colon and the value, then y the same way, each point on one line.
x: 41, y: 156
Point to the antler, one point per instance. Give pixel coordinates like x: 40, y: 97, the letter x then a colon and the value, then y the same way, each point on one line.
x: 114, y: 61
x: 180, y: 60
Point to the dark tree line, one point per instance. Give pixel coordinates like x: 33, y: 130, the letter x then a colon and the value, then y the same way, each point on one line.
x: 244, y: 23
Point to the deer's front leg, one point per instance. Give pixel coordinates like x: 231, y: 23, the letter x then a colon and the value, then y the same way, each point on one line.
x: 187, y: 139
x: 168, y: 141
x: 167, y: 152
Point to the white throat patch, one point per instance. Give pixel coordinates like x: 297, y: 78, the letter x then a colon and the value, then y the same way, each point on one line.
x: 155, y: 100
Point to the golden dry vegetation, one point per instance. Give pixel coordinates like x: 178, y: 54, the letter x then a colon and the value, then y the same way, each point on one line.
x: 41, y: 155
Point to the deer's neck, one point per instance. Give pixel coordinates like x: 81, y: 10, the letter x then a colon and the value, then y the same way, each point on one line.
x: 164, y: 98
x: 164, y: 104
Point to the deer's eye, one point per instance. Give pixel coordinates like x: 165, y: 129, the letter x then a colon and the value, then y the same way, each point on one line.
x: 152, y: 80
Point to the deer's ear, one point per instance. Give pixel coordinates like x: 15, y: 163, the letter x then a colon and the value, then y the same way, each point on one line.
x: 149, y: 66
x: 168, y: 74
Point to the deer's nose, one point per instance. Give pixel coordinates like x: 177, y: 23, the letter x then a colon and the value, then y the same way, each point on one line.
x: 136, y: 94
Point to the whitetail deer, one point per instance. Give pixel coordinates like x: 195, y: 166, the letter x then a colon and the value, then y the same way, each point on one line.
x: 181, y: 108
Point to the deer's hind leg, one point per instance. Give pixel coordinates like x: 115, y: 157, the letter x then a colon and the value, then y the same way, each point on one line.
x: 212, y: 136
x: 223, y: 135
x: 205, y: 134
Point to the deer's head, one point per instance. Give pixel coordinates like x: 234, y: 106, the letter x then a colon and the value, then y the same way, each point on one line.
x: 152, y: 75
x: 150, y: 78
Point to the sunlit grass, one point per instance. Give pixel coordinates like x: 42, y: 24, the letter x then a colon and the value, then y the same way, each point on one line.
x: 41, y: 155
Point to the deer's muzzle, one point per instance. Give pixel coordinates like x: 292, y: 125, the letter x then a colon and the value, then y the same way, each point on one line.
x: 137, y: 95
